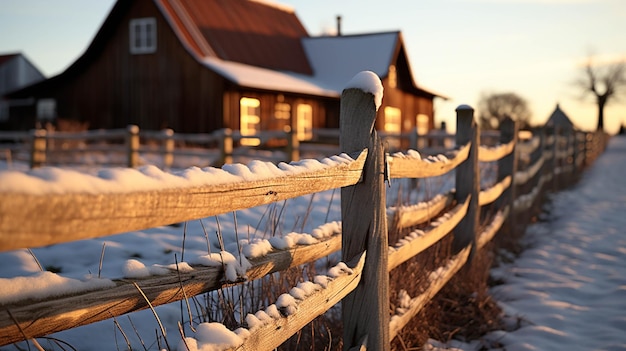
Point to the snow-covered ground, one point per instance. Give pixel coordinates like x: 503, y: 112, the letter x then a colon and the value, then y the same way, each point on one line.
x: 568, y: 290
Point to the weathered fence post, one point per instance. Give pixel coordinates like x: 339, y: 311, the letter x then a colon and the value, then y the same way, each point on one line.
x: 366, y: 309
x: 556, y: 137
x: 38, y: 148
x: 132, y: 145
x: 467, y: 177
x: 588, y: 148
x: 226, y: 146
x: 546, y: 148
x: 168, y: 148
x: 413, y: 139
x: 575, y: 152
x: 508, y: 166
x: 293, y: 146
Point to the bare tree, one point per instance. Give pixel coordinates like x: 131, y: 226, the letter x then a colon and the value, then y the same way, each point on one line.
x: 604, y: 82
x: 493, y: 108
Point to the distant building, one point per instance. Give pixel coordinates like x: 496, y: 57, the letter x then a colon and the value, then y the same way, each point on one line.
x: 203, y: 65
x: 559, y: 119
x: 16, y: 71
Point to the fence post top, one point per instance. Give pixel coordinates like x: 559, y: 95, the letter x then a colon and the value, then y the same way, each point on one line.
x: 464, y: 108
x: 133, y: 128
x: 369, y: 82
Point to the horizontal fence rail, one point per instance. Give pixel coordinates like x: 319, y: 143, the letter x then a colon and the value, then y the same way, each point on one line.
x: 526, y: 169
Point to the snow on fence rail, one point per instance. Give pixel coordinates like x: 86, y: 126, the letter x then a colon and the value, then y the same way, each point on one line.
x: 36, y: 210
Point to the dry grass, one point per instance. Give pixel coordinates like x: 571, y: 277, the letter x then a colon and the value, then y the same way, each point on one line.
x: 463, y: 309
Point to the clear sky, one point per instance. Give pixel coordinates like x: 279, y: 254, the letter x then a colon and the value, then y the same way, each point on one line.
x: 459, y: 48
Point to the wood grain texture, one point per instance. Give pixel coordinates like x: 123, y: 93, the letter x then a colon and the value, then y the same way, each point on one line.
x: 407, y: 167
x: 365, y: 311
x: 431, y: 236
x: 39, y: 318
x: 273, y: 334
x: 467, y: 178
x: 39, y: 220
x: 407, y: 216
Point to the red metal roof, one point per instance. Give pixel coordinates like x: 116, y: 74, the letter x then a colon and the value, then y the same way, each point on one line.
x: 244, y: 31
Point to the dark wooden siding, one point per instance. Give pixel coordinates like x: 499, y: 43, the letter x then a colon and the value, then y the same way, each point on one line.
x: 168, y: 88
x: 321, y: 108
x: 111, y: 88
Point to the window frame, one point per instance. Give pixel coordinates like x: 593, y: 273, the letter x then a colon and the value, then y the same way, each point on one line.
x: 141, y: 39
x: 249, y: 122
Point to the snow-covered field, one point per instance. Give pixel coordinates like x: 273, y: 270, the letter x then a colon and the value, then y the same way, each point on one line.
x: 568, y: 290
x: 139, y: 253
x: 135, y: 253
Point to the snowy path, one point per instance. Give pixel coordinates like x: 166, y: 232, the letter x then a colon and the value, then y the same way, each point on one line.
x: 569, y: 288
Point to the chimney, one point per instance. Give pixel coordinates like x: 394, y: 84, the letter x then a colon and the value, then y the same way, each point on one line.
x: 338, y: 25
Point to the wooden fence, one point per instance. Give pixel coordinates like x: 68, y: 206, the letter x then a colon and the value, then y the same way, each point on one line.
x: 126, y: 147
x: 525, y: 169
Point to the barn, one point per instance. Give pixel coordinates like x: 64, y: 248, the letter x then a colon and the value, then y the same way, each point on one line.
x: 202, y: 65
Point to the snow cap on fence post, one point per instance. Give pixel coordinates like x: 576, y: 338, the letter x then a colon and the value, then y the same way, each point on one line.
x: 360, y: 101
x: 364, y: 221
x: 467, y: 177
x: 369, y: 82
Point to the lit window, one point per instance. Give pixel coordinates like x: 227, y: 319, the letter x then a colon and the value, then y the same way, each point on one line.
x: 393, y: 78
x: 250, y: 112
x: 305, y: 121
x: 143, y: 36
x: 393, y: 118
x: 282, y: 110
x: 423, y: 124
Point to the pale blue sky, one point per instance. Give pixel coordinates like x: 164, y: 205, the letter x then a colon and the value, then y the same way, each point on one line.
x: 460, y: 48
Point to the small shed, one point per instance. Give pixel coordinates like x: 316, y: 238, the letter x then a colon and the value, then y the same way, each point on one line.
x: 559, y: 119
x: 16, y: 71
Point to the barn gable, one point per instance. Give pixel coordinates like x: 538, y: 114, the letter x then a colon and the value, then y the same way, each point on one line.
x: 197, y: 65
